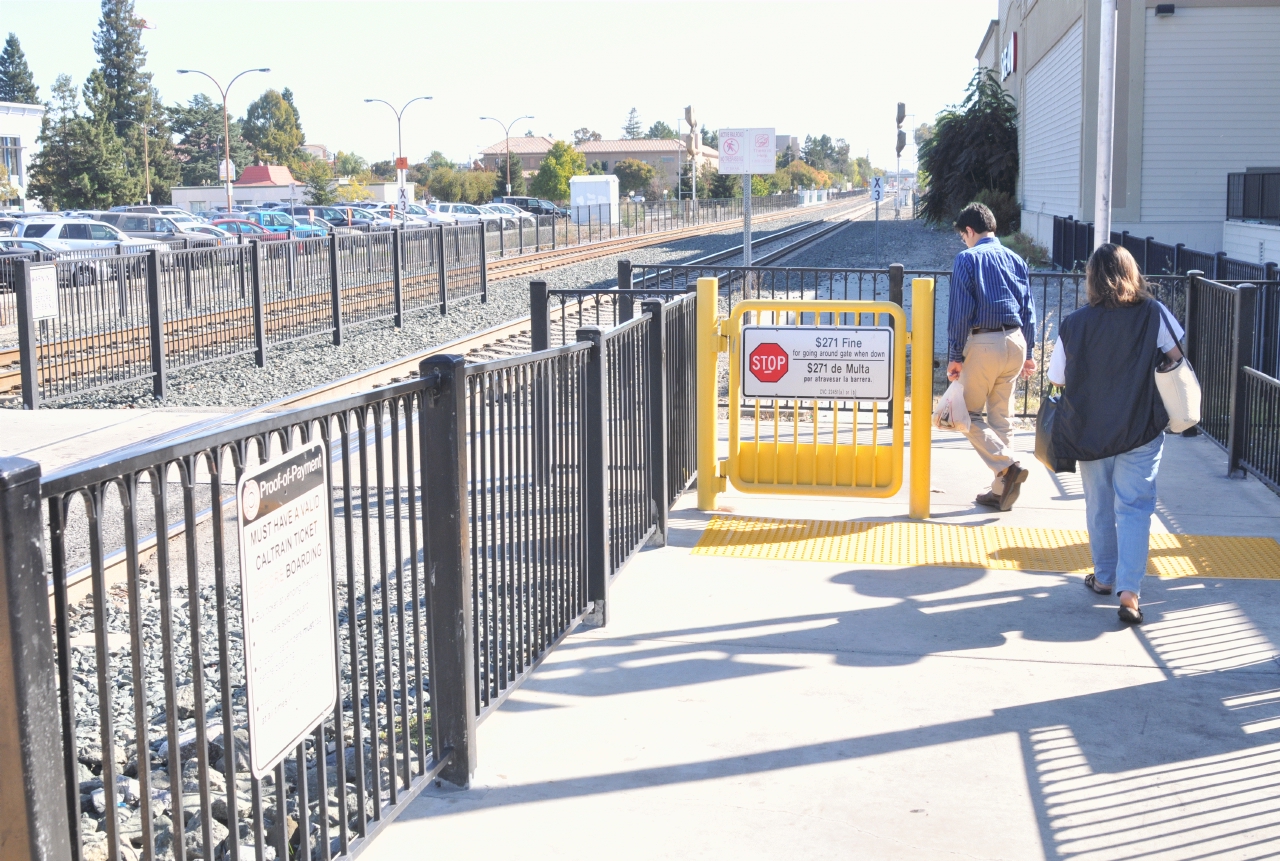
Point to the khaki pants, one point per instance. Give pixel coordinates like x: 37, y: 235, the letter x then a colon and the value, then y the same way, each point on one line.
x: 992, y: 363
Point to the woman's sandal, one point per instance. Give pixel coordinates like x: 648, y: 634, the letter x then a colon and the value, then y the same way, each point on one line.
x: 1092, y: 583
x: 1130, y: 615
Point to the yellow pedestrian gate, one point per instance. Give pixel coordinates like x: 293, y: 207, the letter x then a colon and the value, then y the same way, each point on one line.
x: 799, y: 370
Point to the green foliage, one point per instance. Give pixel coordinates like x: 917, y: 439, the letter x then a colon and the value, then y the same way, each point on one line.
x: 633, y: 175
x: 584, y: 134
x: 383, y: 171
x: 461, y: 186
x: 16, y: 81
x: 760, y: 186
x: 661, y: 131
x: 121, y: 57
x: 287, y: 95
x: 725, y: 185
x: 198, y: 152
x: 561, y: 163
x: 710, y: 138
x: 351, y: 191
x: 923, y: 133
x: 632, y: 129
x: 1004, y: 206
x: 863, y: 169
x: 437, y: 159
x: 1025, y: 247
x: 318, y: 184
x: 8, y: 191
x: 596, y: 168
x: 349, y: 164
x: 800, y: 175
x: 271, y: 128
x: 518, y: 186
x: 706, y: 179
x: 784, y: 158
x: 974, y: 147
x: 81, y: 163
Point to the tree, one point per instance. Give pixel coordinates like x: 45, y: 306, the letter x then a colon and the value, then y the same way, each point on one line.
x: 596, y: 168
x: 348, y: 163
x: 271, y: 128
x: 561, y: 163
x: 974, y: 147
x: 8, y: 191
x: 383, y: 171
x: 16, y: 81
x: 478, y: 185
x: 82, y: 162
x: 582, y: 135
x: 633, y: 175
x: 923, y: 133
x: 785, y: 157
x: 710, y: 138
x: 198, y: 152
x: 287, y: 95
x: 318, y: 184
x: 438, y: 159
x: 351, y: 191
x: 862, y: 165
x: 632, y: 129
x: 121, y: 57
x: 517, y: 176
x: 661, y: 131
x: 444, y: 183
x: 725, y: 185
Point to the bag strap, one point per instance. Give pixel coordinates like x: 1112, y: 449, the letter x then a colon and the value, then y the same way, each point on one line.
x: 1166, y: 317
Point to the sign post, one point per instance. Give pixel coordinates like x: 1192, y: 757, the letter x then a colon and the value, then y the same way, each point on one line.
x: 286, y: 582
x: 747, y: 152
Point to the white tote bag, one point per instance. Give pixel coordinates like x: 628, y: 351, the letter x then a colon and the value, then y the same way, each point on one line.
x: 1180, y: 391
x: 951, y: 412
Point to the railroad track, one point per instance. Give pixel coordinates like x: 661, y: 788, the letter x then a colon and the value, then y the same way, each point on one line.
x: 295, y: 312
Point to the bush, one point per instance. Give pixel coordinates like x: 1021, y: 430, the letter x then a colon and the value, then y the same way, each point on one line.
x: 1024, y: 246
x: 1004, y: 206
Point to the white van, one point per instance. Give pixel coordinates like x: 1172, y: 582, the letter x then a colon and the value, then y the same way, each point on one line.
x: 76, y: 234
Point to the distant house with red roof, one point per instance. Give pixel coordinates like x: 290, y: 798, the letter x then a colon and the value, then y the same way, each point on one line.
x: 265, y: 174
x: 258, y: 184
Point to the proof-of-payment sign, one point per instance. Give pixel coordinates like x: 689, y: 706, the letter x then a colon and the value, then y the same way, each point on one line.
x: 286, y: 583
x: 818, y: 363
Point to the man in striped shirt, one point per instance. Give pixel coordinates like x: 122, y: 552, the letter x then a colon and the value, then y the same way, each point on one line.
x: 991, y: 329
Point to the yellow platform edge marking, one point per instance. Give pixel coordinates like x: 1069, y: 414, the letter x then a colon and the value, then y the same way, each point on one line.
x: 950, y: 545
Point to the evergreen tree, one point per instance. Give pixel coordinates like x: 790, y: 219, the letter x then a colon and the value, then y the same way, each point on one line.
x: 16, y: 82
x: 287, y: 95
x: 271, y: 128
x: 121, y: 57
x: 198, y: 152
x: 661, y: 131
x: 82, y: 163
x: 633, y: 129
x: 517, y: 176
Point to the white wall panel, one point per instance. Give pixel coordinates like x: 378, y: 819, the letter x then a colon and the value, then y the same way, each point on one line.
x: 1051, y: 113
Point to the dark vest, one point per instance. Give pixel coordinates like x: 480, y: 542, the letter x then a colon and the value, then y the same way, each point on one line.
x: 1110, y: 404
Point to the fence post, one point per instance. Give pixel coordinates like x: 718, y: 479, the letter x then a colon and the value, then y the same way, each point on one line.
x: 27, y: 345
x: 625, y: 278
x: 1177, y: 258
x: 397, y: 280
x: 896, y: 275
x: 539, y: 316
x: 1146, y: 256
x: 335, y: 290
x: 33, y: 795
x: 595, y: 482
x: 155, y: 318
x: 1217, y: 265
x: 484, y: 263
x: 443, y: 443
x: 1246, y: 302
x: 657, y: 415
x: 259, y: 317
x: 441, y: 271
x: 1272, y: 272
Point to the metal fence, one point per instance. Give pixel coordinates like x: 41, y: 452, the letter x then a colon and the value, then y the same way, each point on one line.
x: 130, y: 318
x: 545, y: 473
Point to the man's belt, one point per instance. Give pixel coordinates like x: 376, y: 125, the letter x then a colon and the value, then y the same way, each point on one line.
x: 1006, y: 328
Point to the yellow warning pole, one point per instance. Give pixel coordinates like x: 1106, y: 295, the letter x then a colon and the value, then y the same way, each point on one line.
x: 709, y: 346
x: 921, y: 395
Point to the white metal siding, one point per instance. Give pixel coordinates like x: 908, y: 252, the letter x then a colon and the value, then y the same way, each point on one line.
x: 1051, y: 113
x: 1212, y: 107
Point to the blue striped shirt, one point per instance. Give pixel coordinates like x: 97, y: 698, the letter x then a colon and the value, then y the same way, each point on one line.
x: 989, y: 289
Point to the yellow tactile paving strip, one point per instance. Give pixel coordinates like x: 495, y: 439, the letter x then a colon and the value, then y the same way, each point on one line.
x: 998, y: 547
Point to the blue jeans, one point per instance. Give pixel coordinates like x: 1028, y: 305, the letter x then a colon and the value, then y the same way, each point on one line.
x: 1119, y: 499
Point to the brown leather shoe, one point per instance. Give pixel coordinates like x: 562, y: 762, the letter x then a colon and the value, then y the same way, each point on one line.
x: 1013, y: 478
x: 988, y: 499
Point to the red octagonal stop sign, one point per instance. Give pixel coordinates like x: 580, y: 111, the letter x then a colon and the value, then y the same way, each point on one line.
x: 768, y: 363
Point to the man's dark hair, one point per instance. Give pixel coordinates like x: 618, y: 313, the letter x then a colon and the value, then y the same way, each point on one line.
x: 977, y: 216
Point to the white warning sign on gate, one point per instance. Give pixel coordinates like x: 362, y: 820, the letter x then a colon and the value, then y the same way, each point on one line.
x: 286, y: 577
x: 825, y: 363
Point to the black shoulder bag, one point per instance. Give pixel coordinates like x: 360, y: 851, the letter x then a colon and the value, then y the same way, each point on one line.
x: 1045, y: 452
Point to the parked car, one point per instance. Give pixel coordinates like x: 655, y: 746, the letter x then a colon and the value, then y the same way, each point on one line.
x: 334, y: 215
x: 248, y: 229
x: 224, y: 237
x: 281, y: 221
x: 416, y: 213
x: 16, y: 246
x: 9, y: 226
x: 141, y: 224
x: 513, y: 214
x: 175, y: 213
x: 75, y: 234
x: 537, y: 206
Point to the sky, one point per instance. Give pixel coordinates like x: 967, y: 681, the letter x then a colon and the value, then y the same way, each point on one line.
x: 803, y: 68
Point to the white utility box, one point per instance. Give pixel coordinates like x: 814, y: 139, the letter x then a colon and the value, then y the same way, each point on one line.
x: 593, y: 199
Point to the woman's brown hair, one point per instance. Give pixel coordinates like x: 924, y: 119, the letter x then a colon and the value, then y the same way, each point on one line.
x: 1112, y: 278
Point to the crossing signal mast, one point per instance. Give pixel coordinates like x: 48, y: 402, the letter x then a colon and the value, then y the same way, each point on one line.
x: 902, y: 143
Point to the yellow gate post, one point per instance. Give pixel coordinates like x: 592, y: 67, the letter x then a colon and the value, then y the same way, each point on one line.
x: 921, y: 395
x: 708, y: 346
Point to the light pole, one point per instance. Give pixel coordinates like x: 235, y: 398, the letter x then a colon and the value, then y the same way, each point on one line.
x: 506, y: 137
x: 400, y: 171
x: 226, y: 124
x: 146, y: 156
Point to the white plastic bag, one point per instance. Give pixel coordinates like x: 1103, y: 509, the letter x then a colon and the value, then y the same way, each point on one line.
x: 951, y: 412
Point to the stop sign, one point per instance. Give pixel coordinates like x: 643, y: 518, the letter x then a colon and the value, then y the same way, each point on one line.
x: 768, y: 363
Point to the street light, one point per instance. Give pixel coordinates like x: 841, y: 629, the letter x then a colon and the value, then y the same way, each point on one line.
x: 146, y: 156
x: 400, y: 172
x: 506, y: 136
x: 226, y: 124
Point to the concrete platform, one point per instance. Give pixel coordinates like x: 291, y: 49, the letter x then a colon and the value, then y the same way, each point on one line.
x: 58, y: 438
x: 744, y: 709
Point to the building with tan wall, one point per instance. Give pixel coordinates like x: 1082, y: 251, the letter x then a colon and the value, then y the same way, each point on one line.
x: 665, y: 156
x: 1196, y: 98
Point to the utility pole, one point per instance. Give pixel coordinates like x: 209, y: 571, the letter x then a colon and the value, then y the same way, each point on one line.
x: 1106, y: 124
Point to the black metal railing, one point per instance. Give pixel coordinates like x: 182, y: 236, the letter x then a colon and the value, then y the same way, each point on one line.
x: 628, y: 447
x: 680, y: 339
x: 1254, y: 196
x: 1260, y: 441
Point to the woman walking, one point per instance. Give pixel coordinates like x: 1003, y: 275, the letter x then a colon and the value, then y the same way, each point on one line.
x: 1111, y: 418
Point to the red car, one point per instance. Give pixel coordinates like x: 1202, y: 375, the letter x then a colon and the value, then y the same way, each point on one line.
x: 247, y: 229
